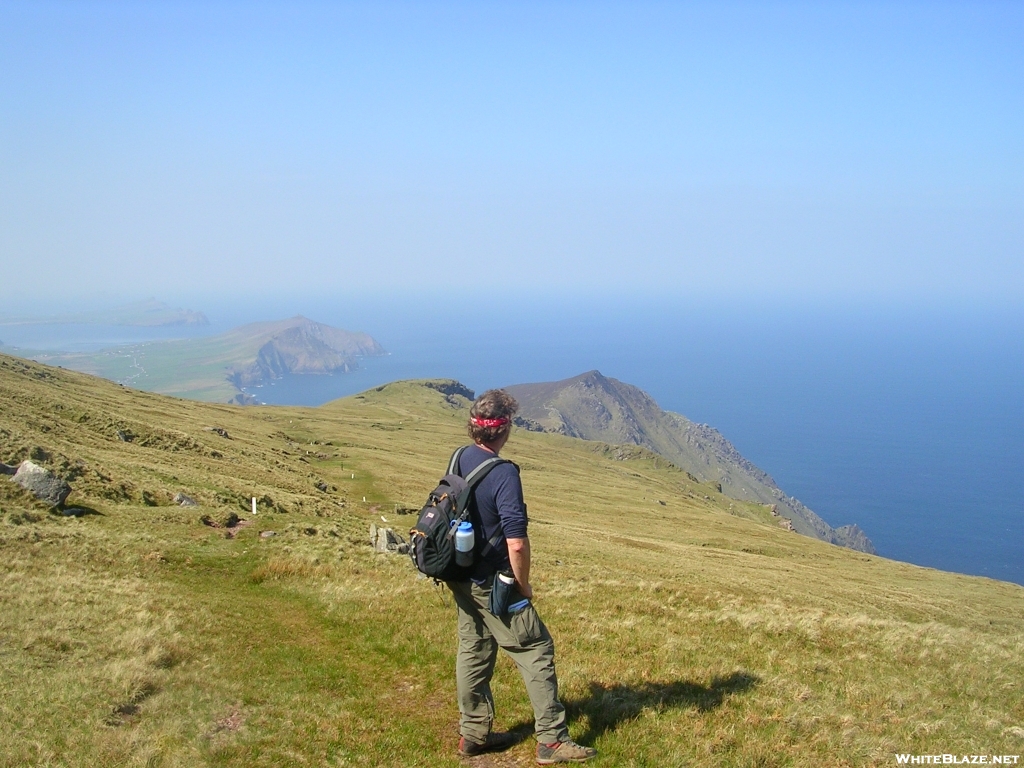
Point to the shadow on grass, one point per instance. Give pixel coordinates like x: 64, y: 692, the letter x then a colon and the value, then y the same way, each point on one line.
x: 78, y: 510
x: 608, y: 706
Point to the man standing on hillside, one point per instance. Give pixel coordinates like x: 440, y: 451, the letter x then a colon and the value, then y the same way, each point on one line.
x: 498, y: 515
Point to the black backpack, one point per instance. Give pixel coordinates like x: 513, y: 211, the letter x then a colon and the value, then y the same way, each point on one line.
x: 432, y: 539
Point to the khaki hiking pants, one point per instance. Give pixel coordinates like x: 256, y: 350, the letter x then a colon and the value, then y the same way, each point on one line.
x: 522, y: 636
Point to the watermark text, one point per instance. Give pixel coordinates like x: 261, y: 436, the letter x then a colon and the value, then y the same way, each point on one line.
x: 957, y: 759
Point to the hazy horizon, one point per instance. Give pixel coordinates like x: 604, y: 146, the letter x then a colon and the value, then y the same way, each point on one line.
x: 850, y: 153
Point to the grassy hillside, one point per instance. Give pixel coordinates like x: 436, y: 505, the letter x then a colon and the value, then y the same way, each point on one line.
x: 687, y: 633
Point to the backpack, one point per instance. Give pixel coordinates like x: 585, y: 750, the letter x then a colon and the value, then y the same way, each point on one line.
x: 432, y: 539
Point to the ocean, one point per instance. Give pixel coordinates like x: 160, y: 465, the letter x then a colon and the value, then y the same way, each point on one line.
x: 908, y: 423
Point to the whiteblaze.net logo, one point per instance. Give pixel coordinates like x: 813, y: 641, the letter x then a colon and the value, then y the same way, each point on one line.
x: 957, y: 759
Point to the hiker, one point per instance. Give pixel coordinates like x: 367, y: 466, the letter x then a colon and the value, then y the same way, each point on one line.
x: 498, y: 515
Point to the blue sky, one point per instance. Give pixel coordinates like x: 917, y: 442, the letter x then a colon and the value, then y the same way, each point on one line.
x: 813, y: 152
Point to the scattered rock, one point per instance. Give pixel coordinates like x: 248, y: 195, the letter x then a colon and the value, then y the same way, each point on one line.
x: 207, y: 520
x: 400, y: 510
x: 185, y: 501
x: 386, y: 540
x: 267, y: 534
x: 786, y: 524
x: 528, y: 424
x: 6, y: 469
x: 125, y: 437
x: 310, y: 531
x: 232, y: 520
x: 321, y: 486
x: 662, y: 503
x: 42, y: 483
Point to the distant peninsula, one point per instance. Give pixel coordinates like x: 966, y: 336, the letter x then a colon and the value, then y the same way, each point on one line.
x: 297, y: 346
x: 218, y: 368
x: 594, y: 407
x: 142, y: 314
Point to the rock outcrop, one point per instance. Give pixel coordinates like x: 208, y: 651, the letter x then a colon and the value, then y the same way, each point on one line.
x: 451, y: 389
x: 42, y: 483
x: 300, y: 346
x: 853, y: 537
x: 386, y: 540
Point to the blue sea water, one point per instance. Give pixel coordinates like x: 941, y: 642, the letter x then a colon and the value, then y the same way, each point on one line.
x: 907, y: 423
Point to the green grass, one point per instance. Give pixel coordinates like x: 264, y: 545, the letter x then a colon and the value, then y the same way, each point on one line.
x: 686, y: 634
x: 196, y: 368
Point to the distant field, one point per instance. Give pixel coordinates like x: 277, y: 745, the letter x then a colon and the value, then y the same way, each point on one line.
x: 193, y: 368
x: 213, y: 368
x: 688, y: 633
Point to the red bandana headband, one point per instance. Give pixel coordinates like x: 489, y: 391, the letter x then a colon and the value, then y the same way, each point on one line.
x: 488, y: 423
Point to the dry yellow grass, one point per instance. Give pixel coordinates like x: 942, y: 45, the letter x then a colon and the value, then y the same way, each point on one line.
x: 686, y: 635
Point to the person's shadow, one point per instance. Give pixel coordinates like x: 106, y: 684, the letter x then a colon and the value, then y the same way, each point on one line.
x: 608, y: 705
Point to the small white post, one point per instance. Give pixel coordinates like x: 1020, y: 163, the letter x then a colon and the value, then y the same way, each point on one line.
x: 254, y: 505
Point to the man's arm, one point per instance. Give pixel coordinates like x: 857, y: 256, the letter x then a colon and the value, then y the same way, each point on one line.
x: 519, y: 557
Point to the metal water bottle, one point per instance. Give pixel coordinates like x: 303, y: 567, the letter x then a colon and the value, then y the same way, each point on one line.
x: 464, y: 541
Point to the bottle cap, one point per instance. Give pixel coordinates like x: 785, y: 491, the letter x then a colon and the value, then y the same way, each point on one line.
x: 465, y: 526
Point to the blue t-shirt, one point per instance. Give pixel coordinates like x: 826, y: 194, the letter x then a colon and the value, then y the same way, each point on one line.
x: 497, y: 508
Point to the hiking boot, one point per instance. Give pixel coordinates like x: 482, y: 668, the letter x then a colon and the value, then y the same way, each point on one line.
x: 496, y: 742
x: 563, y: 752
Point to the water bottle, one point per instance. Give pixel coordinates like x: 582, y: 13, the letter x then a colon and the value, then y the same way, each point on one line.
x: 501, y: 592
x: 464, y: 541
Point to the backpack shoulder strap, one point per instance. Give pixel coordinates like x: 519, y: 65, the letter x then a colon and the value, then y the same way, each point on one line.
x: 480, y: 472
x: 453, y: 463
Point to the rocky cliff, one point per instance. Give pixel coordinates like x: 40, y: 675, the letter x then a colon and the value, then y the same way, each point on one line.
x: 594, y: 407
x: 298, y: 346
